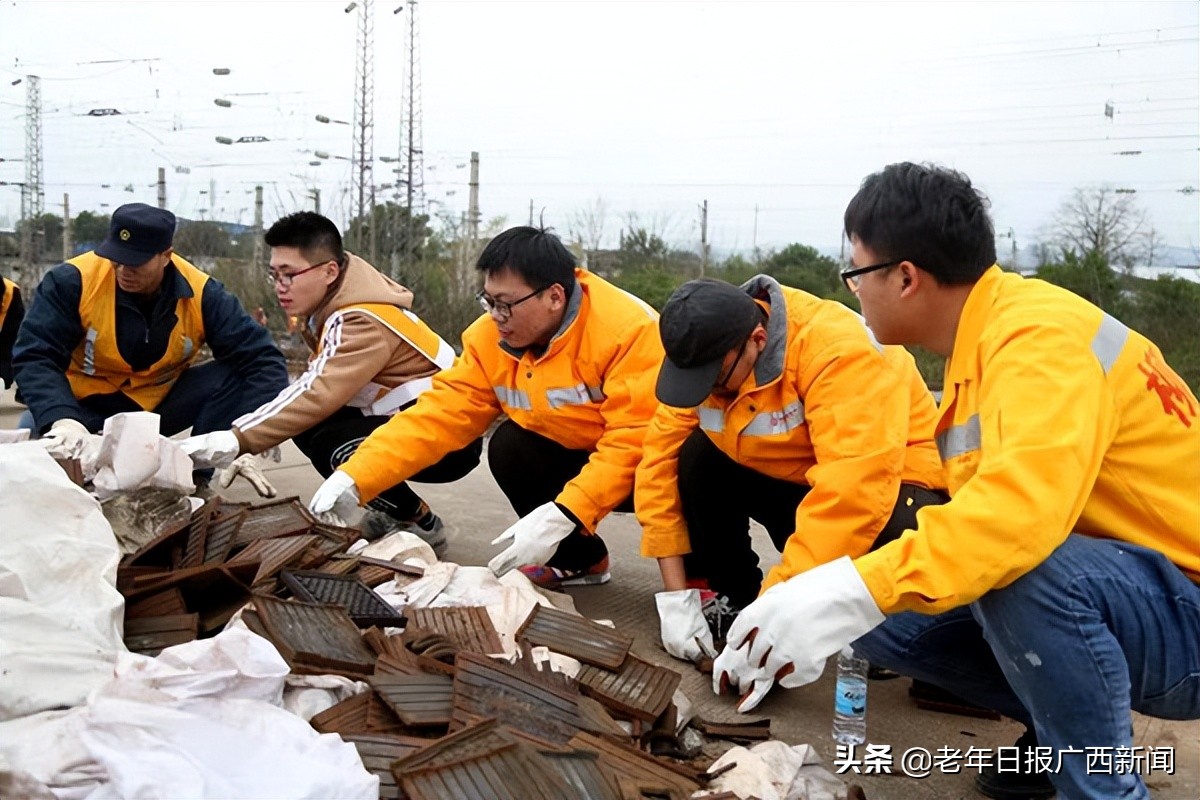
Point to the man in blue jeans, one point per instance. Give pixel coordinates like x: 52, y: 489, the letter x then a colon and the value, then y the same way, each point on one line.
x: 1059, y: 584
x: 119, y: 328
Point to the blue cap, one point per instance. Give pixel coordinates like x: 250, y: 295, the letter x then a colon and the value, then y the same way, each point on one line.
x: 137, y: 233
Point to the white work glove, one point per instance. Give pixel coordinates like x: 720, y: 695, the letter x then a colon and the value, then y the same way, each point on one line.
x: 786, y: 634
x: 338, y: 494
x: 66, y: 438
x: 684, y: 631
x: 217, y: 449
x: 250, y: 467
x: 534, y: 537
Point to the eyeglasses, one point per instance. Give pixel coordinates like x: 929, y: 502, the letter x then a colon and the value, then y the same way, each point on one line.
x: 724, y: 379
x: 284, y: 279
x: 852, y: 277
x: 502, y: 310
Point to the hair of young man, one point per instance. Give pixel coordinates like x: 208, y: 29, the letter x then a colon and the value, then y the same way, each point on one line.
x: 536, y: 254
x: 928, y: 215
x: 315, y: 236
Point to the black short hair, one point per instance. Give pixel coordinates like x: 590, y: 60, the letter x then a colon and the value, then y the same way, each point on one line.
x: 536, y: 254
x: 928, y: 215
x: 315, y: 236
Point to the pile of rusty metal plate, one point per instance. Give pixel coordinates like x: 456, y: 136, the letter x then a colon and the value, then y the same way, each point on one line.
x: 189, y: 580
x: 445, y: 714
x: 447, y: 717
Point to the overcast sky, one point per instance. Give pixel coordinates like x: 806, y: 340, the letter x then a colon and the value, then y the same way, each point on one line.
x: 651, y: 107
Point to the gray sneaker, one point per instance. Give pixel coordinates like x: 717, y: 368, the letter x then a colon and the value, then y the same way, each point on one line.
x: 377, y: 524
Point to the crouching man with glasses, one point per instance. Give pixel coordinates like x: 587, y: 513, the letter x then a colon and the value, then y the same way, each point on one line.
x: 371, y: 359
x: 1060, y: 585
x: 569, y: 359
x: 780, y: 407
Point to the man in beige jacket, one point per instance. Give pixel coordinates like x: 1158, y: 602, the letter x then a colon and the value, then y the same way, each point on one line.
x: 372, y: 357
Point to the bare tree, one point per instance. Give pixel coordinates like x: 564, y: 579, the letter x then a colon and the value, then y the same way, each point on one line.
x: 586, y: 225
x: 1105, y: 221
x: 1153, y: 248
x: 660, y: 224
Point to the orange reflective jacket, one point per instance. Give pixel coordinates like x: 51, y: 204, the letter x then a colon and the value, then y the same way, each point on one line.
x: 1056, y: 418
x: 7, y: 292
x: 826, y: 406
x: 96, y: 364
x: 592, y: 389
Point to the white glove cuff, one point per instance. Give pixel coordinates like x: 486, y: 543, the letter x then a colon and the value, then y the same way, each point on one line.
x: 849, y: 591
x: 681, y: 600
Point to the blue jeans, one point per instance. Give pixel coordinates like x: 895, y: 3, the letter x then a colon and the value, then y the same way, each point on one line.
x: 1099, y: 628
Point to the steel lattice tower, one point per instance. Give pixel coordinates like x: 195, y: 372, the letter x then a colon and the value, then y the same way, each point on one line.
x: 362, y: 178
x: 412, y: 155
x: 33, y: 192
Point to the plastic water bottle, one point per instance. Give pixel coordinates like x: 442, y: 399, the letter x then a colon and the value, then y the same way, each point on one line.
x: 850, y: 698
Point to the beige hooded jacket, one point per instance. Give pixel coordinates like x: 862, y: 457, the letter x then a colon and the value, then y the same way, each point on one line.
x: 366, y: 344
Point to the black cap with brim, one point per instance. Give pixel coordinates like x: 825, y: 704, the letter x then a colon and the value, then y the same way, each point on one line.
x: 700, y: 324
x: 685, y: 388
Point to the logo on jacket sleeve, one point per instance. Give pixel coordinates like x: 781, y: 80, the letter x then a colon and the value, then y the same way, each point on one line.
x: 1171, y: 391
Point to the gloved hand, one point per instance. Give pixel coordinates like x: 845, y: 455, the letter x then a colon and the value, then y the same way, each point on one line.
x: 682, y: 626
x: 534, y: 537
x: 216, y: 449
x: 65, y: 439
x: 250, y: 467
x: 338, y: 494
x: 787, y: 633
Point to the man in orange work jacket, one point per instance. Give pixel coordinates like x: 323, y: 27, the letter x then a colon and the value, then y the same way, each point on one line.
x: 781, y: 407
x: 12, y: 311
x: 117, y: 329
x: 570, y: 359
x: 1059, y: 585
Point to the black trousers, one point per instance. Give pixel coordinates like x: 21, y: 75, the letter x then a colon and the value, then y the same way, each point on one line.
x: 532, y: 470
x: 205, y: 398
x: 720, y: 497
x: 331, y: 442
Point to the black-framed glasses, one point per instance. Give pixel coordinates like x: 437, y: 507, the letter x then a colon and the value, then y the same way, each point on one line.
x: 852, y: 277
x: 502, y: 309
x: 284, y: 279
x: 724, y: 379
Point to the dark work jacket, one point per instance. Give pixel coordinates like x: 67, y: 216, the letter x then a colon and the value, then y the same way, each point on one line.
x: 52, y: 330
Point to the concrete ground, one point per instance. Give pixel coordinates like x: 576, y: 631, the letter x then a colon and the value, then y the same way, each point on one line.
x: 475, y: 512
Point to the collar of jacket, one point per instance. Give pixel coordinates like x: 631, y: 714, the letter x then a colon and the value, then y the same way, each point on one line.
x: 970, y: 324
x: 769, y: 365
x: 358, y: 282
x: 573, y: 304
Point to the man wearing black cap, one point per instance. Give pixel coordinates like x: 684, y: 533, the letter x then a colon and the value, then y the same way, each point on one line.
x: 780, y: 407
x: 117, y: 329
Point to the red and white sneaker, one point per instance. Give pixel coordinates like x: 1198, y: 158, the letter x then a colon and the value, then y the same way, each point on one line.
x: 548, y: 577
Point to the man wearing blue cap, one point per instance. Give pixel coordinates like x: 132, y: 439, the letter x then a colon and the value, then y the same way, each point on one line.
x: 118, y: 328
